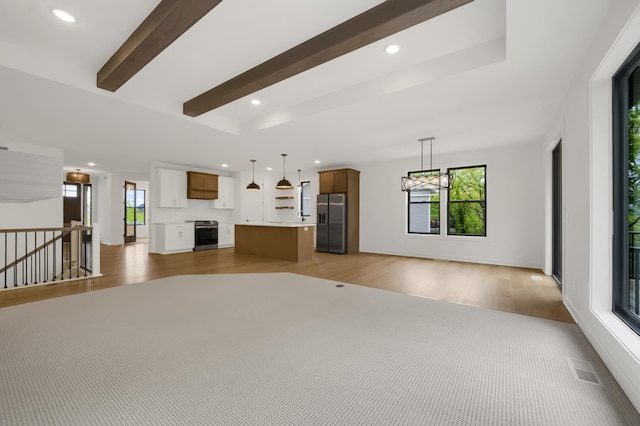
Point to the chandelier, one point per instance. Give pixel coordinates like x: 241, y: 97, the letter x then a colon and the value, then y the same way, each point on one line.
x: 427, y: 180
x: 77, y: 177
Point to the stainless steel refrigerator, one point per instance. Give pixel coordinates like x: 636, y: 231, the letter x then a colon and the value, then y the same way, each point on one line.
x: 331, y: 226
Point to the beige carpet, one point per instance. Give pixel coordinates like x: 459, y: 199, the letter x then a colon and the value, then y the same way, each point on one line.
x: 285, y: 349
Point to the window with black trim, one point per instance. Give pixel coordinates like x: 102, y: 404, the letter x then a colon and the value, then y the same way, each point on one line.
x: 70, y: 190
x: 305, y: 198
x: 466, y: 202
x: 423, y: 209
x: 626, y: 191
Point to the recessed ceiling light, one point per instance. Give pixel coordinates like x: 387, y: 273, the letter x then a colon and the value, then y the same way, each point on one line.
x: 317, y: 161
x: 225, y: 165
x: 392, y: 48
x: 65, y: 16
x: 269, y: 168
x: 91, y: 164
x: 255, y: 101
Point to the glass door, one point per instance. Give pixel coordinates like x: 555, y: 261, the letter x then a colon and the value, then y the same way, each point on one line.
x: 130, y: 212
x: 556, y: 263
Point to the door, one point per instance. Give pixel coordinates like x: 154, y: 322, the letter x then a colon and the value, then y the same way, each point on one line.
x: 337, y: 223
x: 130, y: 212
x: 556, y: 263
x: 322, y: 233
x: 72, y: 202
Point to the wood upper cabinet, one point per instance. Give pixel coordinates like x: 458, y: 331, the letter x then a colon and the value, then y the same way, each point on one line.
x: 202, y: 186
x: 333, y: 181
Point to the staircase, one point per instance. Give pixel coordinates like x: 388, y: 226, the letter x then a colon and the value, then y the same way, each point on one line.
x: 47, y: 255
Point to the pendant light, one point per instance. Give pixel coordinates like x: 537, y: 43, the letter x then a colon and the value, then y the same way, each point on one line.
x: 427, y: 180
x: 253, y: 185
x: 77, y: 177
x: 284, y: 183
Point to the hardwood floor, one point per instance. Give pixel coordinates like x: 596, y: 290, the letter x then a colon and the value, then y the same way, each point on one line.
x: 519, y: 290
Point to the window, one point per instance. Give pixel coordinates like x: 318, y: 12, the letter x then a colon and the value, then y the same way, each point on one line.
x: 423, y: 209
x: 305, y: 199
x: 88, y: 211
x: 626, y: 191
x: 70, y: 190
x: 135, y: 207
x: 467, y: 202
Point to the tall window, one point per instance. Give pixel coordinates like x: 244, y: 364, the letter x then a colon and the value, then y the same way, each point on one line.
x: 467, y: 205
x: 305, y: 199
x: 626, y: 191
x: 424, y: 210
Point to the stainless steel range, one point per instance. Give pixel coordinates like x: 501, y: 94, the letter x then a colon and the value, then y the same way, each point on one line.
x: 206, y: 234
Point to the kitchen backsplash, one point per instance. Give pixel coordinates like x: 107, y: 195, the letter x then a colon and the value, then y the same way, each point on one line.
x: 196, y: 210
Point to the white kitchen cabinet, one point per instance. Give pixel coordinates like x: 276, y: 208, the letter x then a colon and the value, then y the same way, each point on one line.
x: 226, y: 187
x: 173, y: 188
x: 176, y: 237
x: 226, y: 235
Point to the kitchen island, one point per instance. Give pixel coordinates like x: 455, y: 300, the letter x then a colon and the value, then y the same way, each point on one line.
x: 292, y: 241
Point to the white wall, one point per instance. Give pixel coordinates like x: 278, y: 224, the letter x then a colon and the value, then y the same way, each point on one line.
x: 586, y: 142
x: 142, y: 231
x: 101, y: 187
x: 36, y: 214
x: 116, y: 210
x: 268, y: 182
x: 515, y: 206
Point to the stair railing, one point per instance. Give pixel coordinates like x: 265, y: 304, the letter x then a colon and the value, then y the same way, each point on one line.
x: 45, y: 255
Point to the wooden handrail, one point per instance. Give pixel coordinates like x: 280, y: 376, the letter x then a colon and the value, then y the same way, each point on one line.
x: 64, y: 232
x: 73, y: 228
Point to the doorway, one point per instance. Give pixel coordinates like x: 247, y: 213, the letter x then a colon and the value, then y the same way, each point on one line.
x: 556, y: 261
x: 71, y: 202
x: 130, y: 212
x: 76, y: 203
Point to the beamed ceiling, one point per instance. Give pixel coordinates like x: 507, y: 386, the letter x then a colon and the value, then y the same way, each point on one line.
x: 134, y: 82
x: 168, y: 21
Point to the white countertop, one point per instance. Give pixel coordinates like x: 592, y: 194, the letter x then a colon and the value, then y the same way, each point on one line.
x: 279, y: 224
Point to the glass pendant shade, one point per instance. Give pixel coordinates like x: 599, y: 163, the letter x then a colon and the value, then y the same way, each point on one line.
x: 253, y: 185
x: 284, y: 183
x: 430, y: 180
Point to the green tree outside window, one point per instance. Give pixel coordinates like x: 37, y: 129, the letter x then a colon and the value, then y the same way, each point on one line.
x: 467, y: 202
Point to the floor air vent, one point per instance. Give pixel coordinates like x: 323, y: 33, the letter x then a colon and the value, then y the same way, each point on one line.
x: 583, y: 370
